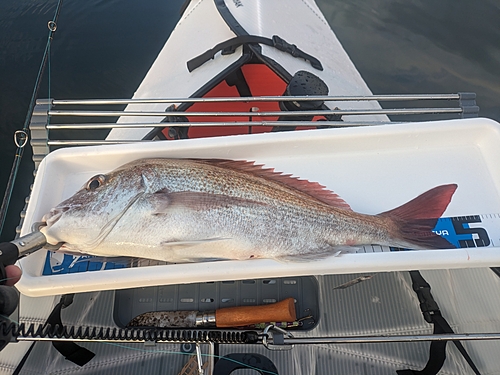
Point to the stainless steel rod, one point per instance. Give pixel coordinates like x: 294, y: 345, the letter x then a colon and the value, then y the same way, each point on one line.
x: 259, y: 99
x: 114, y: 125
x: 412, y: 111
x: 131, y: 340
x: 107, y: 125
x: 391, y: 338
x: 321, y: 340
x: 21, y: 338
x: 92, y: 143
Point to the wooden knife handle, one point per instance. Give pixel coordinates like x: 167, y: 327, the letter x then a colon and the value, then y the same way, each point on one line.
x: 283, y: 311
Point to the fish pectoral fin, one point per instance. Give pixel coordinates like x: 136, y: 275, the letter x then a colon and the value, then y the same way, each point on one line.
x: 194, y: 200
x: 184, y: 244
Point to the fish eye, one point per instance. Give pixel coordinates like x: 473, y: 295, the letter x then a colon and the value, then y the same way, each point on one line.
x: 95, y: 182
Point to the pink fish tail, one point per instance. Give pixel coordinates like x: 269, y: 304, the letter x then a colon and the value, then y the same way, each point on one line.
x: 415, y: 220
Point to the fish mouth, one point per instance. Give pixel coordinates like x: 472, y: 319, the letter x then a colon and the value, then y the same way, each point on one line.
x: 40, y: 226
x: 54, y: 215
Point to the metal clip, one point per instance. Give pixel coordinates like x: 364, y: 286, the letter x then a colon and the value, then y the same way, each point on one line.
x: 199, y: 359
x: 428, y: 304
x: 278, y: 336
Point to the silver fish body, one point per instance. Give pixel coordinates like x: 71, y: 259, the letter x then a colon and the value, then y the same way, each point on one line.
x: 186, y: 210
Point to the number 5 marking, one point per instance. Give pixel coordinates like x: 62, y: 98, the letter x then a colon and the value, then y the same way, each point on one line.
x: 458, y: 225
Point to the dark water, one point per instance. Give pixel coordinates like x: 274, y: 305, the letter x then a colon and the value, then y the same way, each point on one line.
x: 103, y: 49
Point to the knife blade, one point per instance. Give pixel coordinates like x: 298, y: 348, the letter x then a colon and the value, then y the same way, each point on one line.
x: 283, y: 311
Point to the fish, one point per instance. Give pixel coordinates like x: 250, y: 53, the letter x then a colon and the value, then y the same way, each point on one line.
x: 196, y: 210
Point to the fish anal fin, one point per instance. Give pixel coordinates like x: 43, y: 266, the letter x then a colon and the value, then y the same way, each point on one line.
x: 319, y: 254
x: 313, y: 189
x: 415, y: 220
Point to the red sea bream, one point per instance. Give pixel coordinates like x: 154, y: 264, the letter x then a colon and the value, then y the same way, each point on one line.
x: 187, y: 210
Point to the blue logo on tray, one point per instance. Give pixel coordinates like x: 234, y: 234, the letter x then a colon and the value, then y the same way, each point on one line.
x: 59, y: 263
x: 459, y: 232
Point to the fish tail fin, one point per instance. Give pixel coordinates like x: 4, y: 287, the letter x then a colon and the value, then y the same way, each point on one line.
x: 415, y: 220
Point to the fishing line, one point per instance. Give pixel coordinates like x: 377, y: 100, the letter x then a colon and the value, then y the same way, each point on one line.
x: 9, y: 319
x: 189, y: 354
x: 6, y: 279
x: 52, y: 25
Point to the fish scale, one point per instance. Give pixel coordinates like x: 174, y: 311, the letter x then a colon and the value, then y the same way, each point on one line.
x: 185, y: 210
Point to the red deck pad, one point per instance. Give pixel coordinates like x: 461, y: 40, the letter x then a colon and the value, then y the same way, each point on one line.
x: 262, y: 81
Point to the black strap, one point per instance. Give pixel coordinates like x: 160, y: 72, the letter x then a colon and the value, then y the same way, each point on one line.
x: 71, y: 351
x: 432, y: 314
x: 229, y: 46
x: 176, y: 132
x: 230, y: 363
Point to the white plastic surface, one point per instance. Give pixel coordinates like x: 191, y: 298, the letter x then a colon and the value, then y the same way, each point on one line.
x: 373, y: 168
x: 300, y: 22
x: 200, y: 29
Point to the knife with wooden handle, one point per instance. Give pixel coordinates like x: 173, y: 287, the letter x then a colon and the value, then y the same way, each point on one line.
x: 283, y: 311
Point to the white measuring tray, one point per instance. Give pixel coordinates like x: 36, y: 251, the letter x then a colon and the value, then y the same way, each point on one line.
x: 374, y: 169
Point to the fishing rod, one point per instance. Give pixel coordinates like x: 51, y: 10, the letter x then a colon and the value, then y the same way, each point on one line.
x: 21, y: 136
x: 272, y: 337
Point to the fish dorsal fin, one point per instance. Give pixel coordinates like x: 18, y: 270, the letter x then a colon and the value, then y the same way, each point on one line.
x: 313, y: 189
